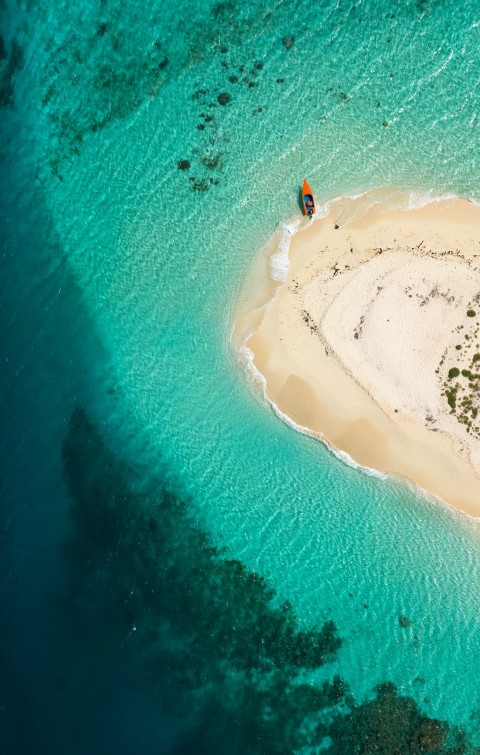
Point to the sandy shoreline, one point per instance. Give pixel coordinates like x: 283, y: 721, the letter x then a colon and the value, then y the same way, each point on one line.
x: 356, y: 345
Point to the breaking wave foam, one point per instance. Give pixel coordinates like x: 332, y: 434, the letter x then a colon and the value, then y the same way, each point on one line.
x: 279, y: 261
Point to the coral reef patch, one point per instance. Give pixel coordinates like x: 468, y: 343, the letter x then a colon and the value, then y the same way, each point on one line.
x: 208, y: 636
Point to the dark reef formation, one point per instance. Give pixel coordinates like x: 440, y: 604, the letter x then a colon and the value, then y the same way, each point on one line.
x: 208, y: 636
x: 103, y: 72
x: 223, y: 98
x: 10, y: 63
x: 288, y: 41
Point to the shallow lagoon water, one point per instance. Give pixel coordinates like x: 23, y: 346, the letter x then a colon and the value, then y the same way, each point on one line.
x: 150, y: 259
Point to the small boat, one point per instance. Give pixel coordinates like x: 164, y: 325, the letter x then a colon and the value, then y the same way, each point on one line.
x: 308, y: 200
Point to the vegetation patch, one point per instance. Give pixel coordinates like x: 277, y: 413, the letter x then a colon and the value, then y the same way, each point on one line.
x: 451, y: 394
x: 463, y: 396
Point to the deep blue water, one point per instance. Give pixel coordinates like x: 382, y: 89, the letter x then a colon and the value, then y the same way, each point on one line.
x: 172, y: 555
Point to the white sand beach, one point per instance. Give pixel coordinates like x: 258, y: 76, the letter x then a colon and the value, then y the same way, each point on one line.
x: 358, y: 343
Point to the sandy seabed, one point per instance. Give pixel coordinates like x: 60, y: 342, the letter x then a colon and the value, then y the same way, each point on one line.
x: 356, y: 345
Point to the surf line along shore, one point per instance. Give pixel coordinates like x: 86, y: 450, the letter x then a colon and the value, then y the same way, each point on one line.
x: 372, y: 342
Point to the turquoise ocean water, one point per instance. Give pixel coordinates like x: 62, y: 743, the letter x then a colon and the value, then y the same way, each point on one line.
x: 121, y: 388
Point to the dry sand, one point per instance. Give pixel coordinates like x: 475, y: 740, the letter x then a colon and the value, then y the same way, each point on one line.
x: 357, y: 343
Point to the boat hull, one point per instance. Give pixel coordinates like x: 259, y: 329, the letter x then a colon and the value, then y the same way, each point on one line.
x: 308, y: 200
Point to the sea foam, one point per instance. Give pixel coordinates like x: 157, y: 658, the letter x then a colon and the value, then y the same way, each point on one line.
x: 279, y: 261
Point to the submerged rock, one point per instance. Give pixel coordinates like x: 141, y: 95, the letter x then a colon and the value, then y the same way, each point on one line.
x: 221, y: 9
x: 198, y: 184
x: 183, y: 164
x: 223, y: 98
x: 212, y: 162
x: 199, y: 93
x: 404, y: 621
x: 288, y: 41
